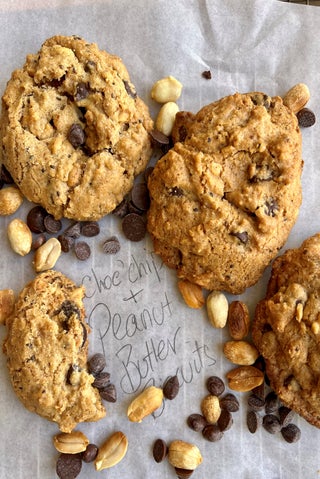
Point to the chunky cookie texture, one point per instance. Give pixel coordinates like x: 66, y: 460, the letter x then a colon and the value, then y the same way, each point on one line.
x: 286, y: 329
x: 225, y: 197
x: 74, y: 132
x: 47, y: 347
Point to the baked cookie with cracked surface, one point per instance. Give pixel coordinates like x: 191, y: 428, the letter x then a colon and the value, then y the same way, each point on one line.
x: 286, y: 329
x: 47, y: 347
x: 74, y: 132
x: 225, y: 197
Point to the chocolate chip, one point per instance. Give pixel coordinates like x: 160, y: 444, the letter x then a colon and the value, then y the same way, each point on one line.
x: 69, y: 308
x: 5, y: 176
x: 253, y: 421
x: 242, y: 236
x: 230, y: 403
x: 38, y: 241
x: 171, y: 388
x: 35, y: 219
x: 306, y: 118
x: 96, y: 363
x: 109, y: 393
x: 196, y: 422
x: 129, y: 89
x: 183, y: 473
x: 225, y: 420
x: 206, y: 74
x: 85, y: 334
x: 212, y: 433
x: 271, y: 207
x: 255, y: 402
x: 134, y: 227
x: 215, y: 385
x: 52, y: 225
x: 76, y: 135
x: 286, y: 415
x: 272, y: 402
x: 158, y: 138
x: 90, y: 228
x: 82, y: 91
x: 90, y: 453
x: 101, y: 380
x: 291, y: 433
x: 271, y: 423
x: 111, y: 245
x: 82, y: 250
x: 66, y: 242
x: 122, y: 209
x: 140, y: 196
x: 176, y: 191
x: 73, y: 368
x: 74, y: 230
x: 159, y: 450
x: 68, y: 466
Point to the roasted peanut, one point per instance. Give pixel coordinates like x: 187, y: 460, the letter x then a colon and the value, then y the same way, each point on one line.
x: 146, y: 403
x: 240, y: 352
x: 191, y: 293
x: 166, y: 89
x: 47, y: 255
x: 20, y: 237
x: 210, y: 408
x: 238, y: 320
x: 10, y: 200
x: 6, y: 304
x: 70, y: 443
x: 217, y: 309
x: 184, y: 455
x: 166, y: 117
x: 245, y: 378
x: 297, y: 97
x: 112, y: 451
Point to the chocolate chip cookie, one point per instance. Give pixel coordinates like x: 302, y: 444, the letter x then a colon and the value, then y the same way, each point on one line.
x: 225, y: 197
x: 46, y: 348
x: 74, y: 132
x: 286, y: 329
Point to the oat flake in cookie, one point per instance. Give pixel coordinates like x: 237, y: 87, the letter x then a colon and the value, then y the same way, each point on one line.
x: 225, y: 197
x: 47, y: 347
x: 286, y: 329
x: 74, y: 132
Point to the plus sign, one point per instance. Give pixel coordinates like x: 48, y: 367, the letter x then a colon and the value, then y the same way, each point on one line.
x: 133, y: 295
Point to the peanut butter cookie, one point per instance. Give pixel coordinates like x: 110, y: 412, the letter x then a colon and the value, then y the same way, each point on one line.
x: 225, y: 197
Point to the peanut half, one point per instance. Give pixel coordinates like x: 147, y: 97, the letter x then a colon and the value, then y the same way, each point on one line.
x: 144, y: 404
x: 240, y: 352
x: 217, y: 309
x: 166, y: 89
x: 238, y: 320
x: 166, y: 117
x: 191, y: 293
x: 70, y: 443
x: 245, y: 378
x: 47, y: 255
x: 297, y: 97
x: 112, y: 451
x: 184, y: 455
x: 210, y: 408
x: 20, y: 237
x: 10, y: 200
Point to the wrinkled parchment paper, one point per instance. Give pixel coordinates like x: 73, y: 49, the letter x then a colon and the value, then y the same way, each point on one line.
x: 138, y: 318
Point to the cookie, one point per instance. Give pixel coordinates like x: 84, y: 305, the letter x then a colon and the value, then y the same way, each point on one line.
x: 286, y: 329
x: 74, y: 132
x: 225, y: 197
x: 46, y: 348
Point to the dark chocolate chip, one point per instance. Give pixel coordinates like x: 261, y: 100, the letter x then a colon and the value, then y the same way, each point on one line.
x: 90, y: 453
x: 158, y: 138
x: 5, y: 176
x: 215, y: 385
x: 122, y: 209
x: 35, y: 219
x: 76, y: 135
x: 140, y: 196
x: 85, y: 334
x: 257, y: 403
x: 196, y: 422
x: 82, y: 92
x: 271, y: 207
x: 272, y: 402
x: 230, y: 403
x: 38, y: 241
x: 109, y: 393
x: 66, y: 242
x: 159, y: 450
x: 171, y: 387
x: 69, y: 308
x: 207, y: 74
x: 225, y: 420
x: 68, y: 466
x: 134, y: 227
x: 90, y: 228
x: 242, y: 236
x: 306, y: 118
x: 291, y: 433
x: 74, y: 230
x: 130, y: 89
x: 52, y: 225
x: 90, y: 66
x: 73, y: 368
x: 271, y: 423
x: 82, y: 250
x: 212, y: 433
x: 253, y: 421
x: 111, y: 245
x: 286, y: 415
x: 183, y: 473
x: 176, y: 191
x: 96, y: 363
x: 101, y: 380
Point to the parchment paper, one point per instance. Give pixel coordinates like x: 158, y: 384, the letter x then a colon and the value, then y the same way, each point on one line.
x: 137, y: 316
